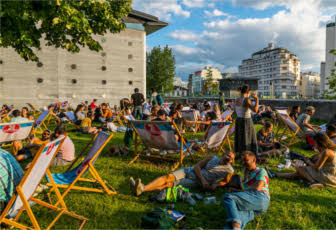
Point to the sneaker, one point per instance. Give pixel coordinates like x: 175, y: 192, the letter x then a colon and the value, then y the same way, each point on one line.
x: 315, y: 185
x: 139, y: 187
x: 270, y: 173
x: 132, y: 185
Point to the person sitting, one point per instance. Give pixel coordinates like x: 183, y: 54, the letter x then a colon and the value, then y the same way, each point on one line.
x: 205, y: 111
x: 161, y: 116
x: 4, y: 111
x: 86, y: 127
x: 11, y: 174
x: 268, y: 113
x: 24, y: 112
x: 29, y: 151
x: 93, y: 104
x: 51, y: 109
x: 242, y: 207
x: 154, y: 111
x: 320, y: 170
x: 294, y: 114
x: 331, y: 132
x: 209, y: 174
x: 66, y: 153
x: 17, y: 117
x: 257, y: 118
x: 216, y: 110
x: 197, y: 112
x: 79, y: 114
x: 267, y: 144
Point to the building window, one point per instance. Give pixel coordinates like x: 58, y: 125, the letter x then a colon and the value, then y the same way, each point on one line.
x: 284, y: 68
x: 1, y: 62
x: 130, y: 56
x: 130, y: 43
x: 1, y: 78
x: 39, y: 80
x: 283, y: 87
x: 103, y: 54
x: 73, y: 66
x: 103, y: 68
x: 130, y: 82
x: 39, y: 64
x: 104, y: 82
x: 74, y: 81
x: 130, y: 70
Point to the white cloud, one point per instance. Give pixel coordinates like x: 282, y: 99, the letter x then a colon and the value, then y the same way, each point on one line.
x: 193, y: 3
x: 165, y: 10
x: 300, y: 29
x: 216, y: 13
x: 183, y: 35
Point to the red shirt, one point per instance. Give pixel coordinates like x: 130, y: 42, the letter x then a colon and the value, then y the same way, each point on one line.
x: 93, y: 105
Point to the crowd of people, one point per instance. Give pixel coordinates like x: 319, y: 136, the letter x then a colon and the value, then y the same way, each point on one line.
x: 249, y: 196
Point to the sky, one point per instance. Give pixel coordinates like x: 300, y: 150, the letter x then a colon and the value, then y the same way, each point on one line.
x: 221, y: 33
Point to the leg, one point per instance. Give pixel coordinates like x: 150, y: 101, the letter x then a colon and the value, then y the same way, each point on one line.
x: 17, y: 145
x: 301, y: 172
x: 160, y: 183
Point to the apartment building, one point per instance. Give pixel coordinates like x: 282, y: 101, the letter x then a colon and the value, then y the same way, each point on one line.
x: 196, y: 79
x: 309, y: 86
x: 277, y: 69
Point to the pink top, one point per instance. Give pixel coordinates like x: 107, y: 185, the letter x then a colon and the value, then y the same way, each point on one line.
x: 67, y: 150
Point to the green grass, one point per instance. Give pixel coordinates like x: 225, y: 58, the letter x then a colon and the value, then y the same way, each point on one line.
x: 293, y: 204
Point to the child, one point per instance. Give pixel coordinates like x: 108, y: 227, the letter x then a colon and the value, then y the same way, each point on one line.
x: 86, y: 125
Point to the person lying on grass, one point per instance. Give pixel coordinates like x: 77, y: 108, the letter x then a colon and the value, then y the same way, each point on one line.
x: 320, y: 169
x: 242, y: 207
x: 209, y: 174
x: 267, y: 144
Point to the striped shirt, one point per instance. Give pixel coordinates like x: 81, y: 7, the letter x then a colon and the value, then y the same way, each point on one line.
x: 10, y: 175
x: 214, y: 172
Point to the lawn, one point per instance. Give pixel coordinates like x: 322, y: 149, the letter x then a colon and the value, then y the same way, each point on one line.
x: 293, y: 205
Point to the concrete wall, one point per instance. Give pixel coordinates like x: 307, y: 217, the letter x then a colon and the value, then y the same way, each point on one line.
x: 325, y: 109
x: 120, y: 53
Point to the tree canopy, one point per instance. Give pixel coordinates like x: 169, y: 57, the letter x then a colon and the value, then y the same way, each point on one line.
x: 331, y: 93
x: 61, y: 23
x: 160, y: 69
x: 210, y: 85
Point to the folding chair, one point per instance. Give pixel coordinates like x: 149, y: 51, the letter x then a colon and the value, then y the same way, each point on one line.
x: 25, y: 190
x: 40, y: 122
x: 159, y: 135
x: 15, y: 131
x: 217, y: 135
x: 34, y: 108
x: 69, y: 178
x: 71, y: 116
x: 226, y: 114
x: 190, y: 115
x: 290, y: 127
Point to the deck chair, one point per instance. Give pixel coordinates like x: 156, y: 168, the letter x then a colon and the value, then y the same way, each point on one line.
x: 191, y: 115
x: 15, y: 131
x: 7, y: 117
x: 71, y: 116
x: 72, y: 175
x: 226, y: 114
x: 40, y: 125
x: 290, y: 127
x: 217, y: 135
x: 158, y: 135
x: 36, y: 111
x: 25, y: 190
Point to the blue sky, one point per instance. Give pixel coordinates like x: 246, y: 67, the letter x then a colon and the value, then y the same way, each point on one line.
x: 221, y: 33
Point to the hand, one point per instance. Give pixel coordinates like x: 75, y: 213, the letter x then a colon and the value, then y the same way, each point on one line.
x: 254, y: 96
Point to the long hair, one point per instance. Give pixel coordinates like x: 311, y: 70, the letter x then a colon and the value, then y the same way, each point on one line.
x: 323, y: 141
x: 79, y: 107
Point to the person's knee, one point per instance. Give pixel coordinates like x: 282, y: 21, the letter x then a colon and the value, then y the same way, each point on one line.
x: 170, y: 178
x: 228, y: 197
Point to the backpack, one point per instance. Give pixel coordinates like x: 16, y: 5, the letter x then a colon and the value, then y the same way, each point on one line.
x: 158, y: 218
x: 159, y: 99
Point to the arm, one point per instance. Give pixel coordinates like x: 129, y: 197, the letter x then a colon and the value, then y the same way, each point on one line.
x: 321, y: 160
x: 305, y: 123
x: 248, y: 104
x: 198, y: 171
x: 222, y: 183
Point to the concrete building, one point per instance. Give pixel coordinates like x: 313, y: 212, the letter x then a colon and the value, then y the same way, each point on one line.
x: 180, y: 88
x: 229, y: 86
x: 309, y: 86
x: 330, y: 59
x: 277, y: 69
x: 196, y: 79
x: 108, y: 75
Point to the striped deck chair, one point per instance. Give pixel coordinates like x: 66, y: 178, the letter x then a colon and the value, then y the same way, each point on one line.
x: 36, y: 111
x: 290, y: 127
x: 20, y: 201
x: 15, y: 131
x: 71, y: 116
x: 72, y: 175
x: 217, y: 135
x: 190, y: 115
x: 40, y: 125
x: 158, y: 135
x: 226, y: 114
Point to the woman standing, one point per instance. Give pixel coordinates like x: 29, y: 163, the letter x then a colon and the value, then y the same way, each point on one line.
x: 245, y: 136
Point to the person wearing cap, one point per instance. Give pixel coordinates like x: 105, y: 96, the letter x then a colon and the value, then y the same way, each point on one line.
x: 303, y: 121
x: 25, y: 152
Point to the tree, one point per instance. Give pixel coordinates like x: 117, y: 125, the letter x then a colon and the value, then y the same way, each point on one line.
x: 61, y: 23
x: 210, y: 85
x: 160, y: 69
x: 331, y: 93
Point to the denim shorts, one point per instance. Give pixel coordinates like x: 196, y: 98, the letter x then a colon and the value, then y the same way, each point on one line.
x: 186, y: 177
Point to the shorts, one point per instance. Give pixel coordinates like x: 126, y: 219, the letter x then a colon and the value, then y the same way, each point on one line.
x: 186, y: 177
x: 25, y: 152
x: 60, y: 162
x: 84, y: 129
